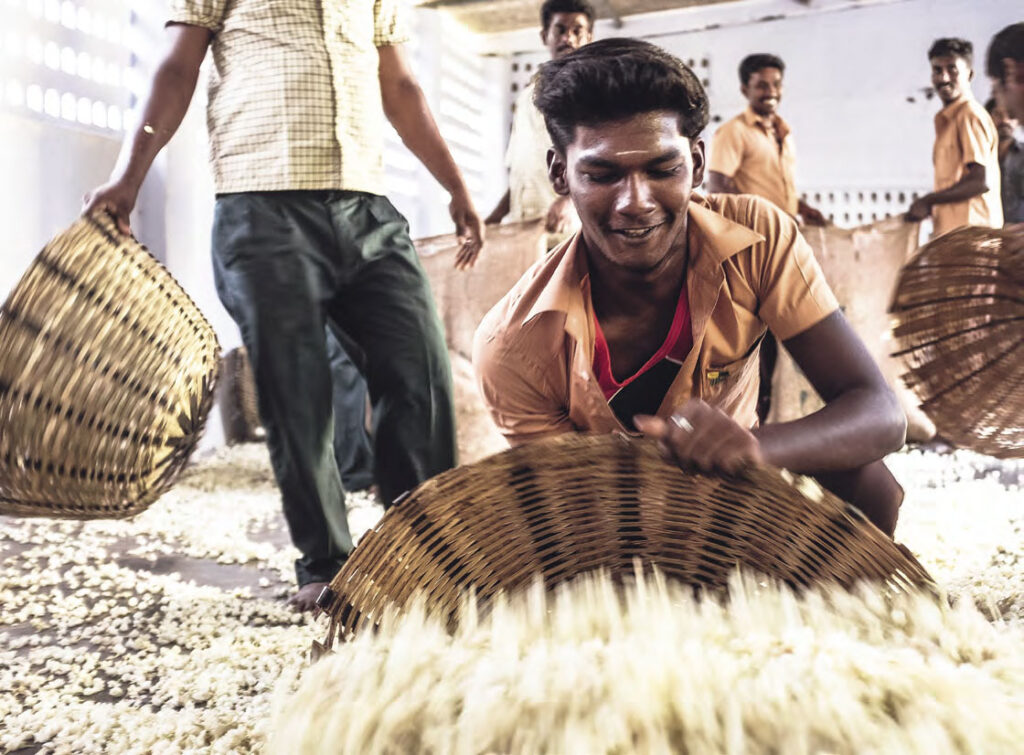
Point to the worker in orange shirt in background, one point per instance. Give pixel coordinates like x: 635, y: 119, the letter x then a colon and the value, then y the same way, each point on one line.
x: 966, y: 155
x: 754, y: 153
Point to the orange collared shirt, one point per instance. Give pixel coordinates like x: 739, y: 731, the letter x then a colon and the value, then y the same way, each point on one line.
x: 965, y: 133
x: 749, y: 269
x: 747, y: 150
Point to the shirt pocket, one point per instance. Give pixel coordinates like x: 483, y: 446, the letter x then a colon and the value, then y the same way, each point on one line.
x: 731, y: 385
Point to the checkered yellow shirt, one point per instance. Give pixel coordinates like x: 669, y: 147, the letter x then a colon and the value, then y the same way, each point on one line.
x: 294, y: 98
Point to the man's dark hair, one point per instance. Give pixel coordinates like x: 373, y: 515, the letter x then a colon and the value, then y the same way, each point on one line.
x: 990, y: 104
x: 951, y: 46
x: 615, y: 79
x: 759, y: 60
x: 551, y: 7
x: 1007, y: 44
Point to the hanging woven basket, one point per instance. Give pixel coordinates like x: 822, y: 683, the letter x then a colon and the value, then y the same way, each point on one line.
x: 579, y: 503
x: 107, y: 370
x: 958, y: 327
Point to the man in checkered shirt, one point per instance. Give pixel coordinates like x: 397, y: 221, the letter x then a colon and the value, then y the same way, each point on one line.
x: 303, y: 236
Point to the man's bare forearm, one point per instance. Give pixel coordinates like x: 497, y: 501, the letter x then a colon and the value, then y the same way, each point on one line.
x: 501, y: 209
x: 861, y: 420
x: 973, y: 184
x: 859, y: 427
x: 719, y: 183
x: 406, y: 108
x: 171, y: 90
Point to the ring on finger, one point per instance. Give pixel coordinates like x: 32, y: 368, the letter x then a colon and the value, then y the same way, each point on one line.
x: 682, y: 423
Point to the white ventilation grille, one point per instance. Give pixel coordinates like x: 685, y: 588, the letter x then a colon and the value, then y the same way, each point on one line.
x: 70, y: 62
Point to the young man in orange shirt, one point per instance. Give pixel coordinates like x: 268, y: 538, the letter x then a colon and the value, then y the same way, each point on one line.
x: 754, y: 153
x: 650, y: 317
x: 965, y: 155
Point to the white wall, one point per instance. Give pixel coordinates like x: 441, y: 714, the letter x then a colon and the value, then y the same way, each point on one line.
x: 853, y: 68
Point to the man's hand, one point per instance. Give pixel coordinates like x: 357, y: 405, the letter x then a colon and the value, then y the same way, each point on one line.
x: 560, y: 217
x: 919, y: 210
x: 698, y: 434
x: 116, y: 198
x: 812, y: 215
x: 468, y: 229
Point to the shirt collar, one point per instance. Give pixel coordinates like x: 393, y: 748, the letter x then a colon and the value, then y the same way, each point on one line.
x: 949, y: 111
x: 765, y: 122
x: 713, y: 239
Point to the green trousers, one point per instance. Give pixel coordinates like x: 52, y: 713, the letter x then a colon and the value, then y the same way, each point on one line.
x: 286, y: 264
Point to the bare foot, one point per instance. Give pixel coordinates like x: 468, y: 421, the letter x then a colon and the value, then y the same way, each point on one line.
x: 305, y: 599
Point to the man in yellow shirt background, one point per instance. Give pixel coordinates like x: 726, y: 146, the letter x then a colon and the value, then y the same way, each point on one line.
x: 754, y: 153
x: 966, y: 155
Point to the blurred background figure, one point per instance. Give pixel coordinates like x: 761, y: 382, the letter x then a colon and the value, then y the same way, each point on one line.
x: 754, y: 153
x: 1011, y: 163
x: 965, y: 155
x: 566, y: 25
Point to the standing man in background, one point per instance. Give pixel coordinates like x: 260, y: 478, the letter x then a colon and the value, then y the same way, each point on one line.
x: 754, y: 154
x: 303, y: 236
x: 965, y: 154
x: 1011, y: 163
x: 566, y: 25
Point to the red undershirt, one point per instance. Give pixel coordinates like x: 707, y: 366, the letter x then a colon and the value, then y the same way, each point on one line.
x: 662, y: 366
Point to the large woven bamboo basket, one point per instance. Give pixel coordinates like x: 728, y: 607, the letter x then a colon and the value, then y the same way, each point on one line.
x: 107, y: 370
x: 958, y: 314
x: 579, y: 503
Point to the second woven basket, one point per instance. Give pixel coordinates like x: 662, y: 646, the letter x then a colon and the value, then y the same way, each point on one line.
x: 958, y: 314
x: 107, y: 372
x: 579, y: 503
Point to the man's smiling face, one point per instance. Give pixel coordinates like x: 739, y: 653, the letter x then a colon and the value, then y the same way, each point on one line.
x: 763, y: 91
x: 951, y: 76
x: 631, y: 182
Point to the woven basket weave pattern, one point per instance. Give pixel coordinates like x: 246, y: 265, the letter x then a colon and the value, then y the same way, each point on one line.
x: 106, y: 376
x: 578, y: 503
x: 959, y: 328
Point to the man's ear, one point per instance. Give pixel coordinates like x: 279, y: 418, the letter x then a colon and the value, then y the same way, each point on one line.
x: 556, y: 172
x: 699, y: 161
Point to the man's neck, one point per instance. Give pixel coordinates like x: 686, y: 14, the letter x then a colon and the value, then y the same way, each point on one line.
x: 964, y: 96
x: 618, y: 293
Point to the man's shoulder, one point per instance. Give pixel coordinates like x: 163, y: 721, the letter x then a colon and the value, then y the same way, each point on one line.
x: 733, y: 127
x: 973, y: 114
x: 516, y: 323
x: 750, y: 210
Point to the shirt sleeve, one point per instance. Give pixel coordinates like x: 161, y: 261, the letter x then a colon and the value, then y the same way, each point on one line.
x: 208, y: 14
x: 977, y: 138
x: 515, y: 388
x: 792, y: 292
x: 726, y: 151
x: 389, y: 23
